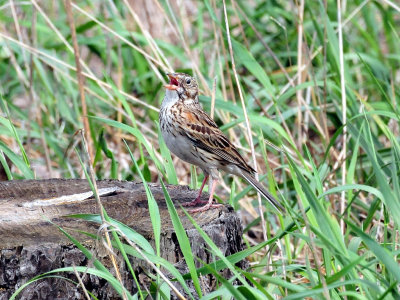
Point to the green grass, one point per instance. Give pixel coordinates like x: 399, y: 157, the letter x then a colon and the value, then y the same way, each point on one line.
x: 340, y: 235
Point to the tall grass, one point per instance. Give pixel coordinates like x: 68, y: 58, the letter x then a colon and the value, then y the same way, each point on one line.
x: 310, y: 93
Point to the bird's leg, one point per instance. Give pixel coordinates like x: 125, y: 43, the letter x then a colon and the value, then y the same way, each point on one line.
x: 210, y: 200
x: 197, y: 200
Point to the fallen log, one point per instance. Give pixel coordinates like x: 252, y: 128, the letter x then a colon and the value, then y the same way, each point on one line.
x: 30, y: 245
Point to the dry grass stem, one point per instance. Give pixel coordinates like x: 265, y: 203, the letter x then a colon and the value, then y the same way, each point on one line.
x: 101, y: 210
x: 81, y: 82
x: 344, y: 112
x: 248, y: 126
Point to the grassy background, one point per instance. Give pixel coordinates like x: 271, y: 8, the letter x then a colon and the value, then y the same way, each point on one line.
x: 317, y: 112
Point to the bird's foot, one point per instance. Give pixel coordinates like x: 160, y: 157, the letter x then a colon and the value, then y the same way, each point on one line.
x: 195, y: 202
x: 205, y: 207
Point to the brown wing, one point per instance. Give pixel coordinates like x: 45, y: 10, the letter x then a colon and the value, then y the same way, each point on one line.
x: 206, y: 135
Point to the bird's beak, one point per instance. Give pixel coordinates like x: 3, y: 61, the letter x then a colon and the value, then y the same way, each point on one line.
x: 173, y: 82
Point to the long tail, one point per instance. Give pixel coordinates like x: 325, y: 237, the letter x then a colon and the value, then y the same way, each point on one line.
x: 250, y: 179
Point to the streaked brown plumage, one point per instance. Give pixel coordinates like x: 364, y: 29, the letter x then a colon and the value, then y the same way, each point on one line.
x: 195, y: 138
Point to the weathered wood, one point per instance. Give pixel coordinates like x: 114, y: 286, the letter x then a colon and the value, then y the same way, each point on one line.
x: 30, y: 245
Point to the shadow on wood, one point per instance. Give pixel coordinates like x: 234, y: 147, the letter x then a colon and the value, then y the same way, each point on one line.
x: 30, y: 245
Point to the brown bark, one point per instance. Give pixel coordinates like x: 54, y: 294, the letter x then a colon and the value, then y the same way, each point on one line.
x: 30, y: 245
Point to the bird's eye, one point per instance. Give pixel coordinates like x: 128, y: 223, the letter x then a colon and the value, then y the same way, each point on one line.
x: 188, y: 81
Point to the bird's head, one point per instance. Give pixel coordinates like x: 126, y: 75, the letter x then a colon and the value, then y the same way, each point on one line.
x: 185, y: 85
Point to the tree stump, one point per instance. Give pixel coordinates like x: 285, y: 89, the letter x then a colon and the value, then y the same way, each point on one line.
x: 30, y: 245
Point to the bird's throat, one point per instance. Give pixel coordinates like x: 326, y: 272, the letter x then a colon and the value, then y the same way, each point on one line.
x: 171, y: 97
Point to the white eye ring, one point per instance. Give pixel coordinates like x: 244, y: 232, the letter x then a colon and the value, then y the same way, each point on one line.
x: 188, y: 81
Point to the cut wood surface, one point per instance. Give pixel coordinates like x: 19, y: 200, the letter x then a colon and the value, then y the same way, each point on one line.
x: 31, y: 245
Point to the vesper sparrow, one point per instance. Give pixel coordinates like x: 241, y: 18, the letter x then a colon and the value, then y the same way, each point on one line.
x: 194, y: 137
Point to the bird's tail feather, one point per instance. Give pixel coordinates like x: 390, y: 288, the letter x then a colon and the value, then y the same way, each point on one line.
x: 250, y: 179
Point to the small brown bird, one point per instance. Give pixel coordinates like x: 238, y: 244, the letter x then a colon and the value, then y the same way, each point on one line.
x: 194, y: 137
